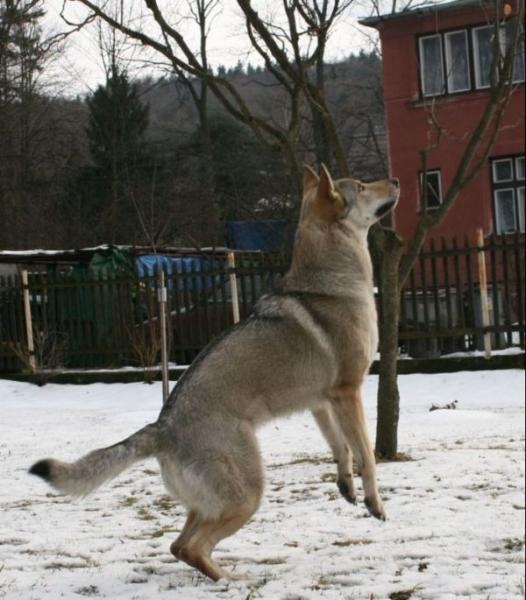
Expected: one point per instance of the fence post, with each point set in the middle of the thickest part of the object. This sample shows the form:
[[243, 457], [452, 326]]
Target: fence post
[[483, 292], [29, 323], [231, 259], [162, 297]]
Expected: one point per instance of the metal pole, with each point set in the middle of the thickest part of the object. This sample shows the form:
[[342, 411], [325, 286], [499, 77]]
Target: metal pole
[[483, 291], [29, 323], [231, 260], [162, 297]]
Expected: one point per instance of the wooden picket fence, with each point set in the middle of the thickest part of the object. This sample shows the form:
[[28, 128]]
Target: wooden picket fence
[[81, 319], [443, 302], [76, 319]]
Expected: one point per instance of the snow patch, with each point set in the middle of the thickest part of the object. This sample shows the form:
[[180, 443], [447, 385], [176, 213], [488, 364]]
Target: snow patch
[[455, 525]]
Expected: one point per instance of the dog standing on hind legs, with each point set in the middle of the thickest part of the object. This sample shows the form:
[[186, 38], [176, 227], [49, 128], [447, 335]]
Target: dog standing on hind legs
[[307, 347]]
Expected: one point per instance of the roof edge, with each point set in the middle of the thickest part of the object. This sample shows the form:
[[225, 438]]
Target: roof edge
[[422, 11]]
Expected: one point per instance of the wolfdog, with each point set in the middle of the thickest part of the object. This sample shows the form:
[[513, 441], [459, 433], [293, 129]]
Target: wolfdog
[[309, 346]]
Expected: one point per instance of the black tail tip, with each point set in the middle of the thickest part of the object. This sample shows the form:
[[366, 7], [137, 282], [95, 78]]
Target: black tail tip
[[42, 469]]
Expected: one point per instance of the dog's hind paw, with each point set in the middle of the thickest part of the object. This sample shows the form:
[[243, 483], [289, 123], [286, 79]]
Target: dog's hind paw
[[376, 508], [346, 490]]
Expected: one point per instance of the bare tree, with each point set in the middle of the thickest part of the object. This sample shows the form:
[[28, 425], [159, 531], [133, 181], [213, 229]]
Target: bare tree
[[203, 12], [289, 51], [33, 135]]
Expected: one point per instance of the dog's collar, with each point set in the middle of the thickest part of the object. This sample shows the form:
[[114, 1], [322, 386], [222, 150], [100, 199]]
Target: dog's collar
[[303, 294]]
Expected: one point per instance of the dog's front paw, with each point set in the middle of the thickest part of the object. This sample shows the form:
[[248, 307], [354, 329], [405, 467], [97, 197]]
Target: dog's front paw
[[346, 487], [375, 507]]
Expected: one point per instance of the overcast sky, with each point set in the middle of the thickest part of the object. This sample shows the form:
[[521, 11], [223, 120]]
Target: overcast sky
[[81, 65]]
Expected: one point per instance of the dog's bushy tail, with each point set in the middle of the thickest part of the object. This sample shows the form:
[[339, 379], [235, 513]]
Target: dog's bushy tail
[[81, 477]]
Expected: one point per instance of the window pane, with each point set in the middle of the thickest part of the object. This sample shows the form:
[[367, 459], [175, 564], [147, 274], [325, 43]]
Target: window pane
[[505, 211], [434, 196], [502, 170], [519, 167], [483, 55], [518, 62], [521, 207], [457, 61], [431, 65], [518, 66]]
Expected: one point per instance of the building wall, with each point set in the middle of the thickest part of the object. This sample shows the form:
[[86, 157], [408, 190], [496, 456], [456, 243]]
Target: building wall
[[409, 130]]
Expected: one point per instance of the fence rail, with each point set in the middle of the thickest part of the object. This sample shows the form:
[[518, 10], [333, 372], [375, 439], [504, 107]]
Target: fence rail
[[85, 320]]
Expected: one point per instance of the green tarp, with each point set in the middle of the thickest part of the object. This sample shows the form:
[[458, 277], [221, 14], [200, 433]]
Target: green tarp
[[82, 307]]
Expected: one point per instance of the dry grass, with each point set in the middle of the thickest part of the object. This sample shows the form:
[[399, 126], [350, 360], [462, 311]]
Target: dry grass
[[403, 594], [400, 457], [352, 542], [58, 565]]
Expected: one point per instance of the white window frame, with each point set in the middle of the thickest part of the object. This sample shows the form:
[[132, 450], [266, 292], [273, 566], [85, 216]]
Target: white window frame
[[513, 184], [494, 167], [422, 65], [449, 61], [500, 231], [422, 183], [503, 47], [474, 74]]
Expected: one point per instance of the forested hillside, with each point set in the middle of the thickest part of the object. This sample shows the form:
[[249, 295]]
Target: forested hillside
[[141, 162]]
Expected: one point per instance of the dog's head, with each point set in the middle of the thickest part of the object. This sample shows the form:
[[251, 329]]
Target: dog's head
[[346, 200]]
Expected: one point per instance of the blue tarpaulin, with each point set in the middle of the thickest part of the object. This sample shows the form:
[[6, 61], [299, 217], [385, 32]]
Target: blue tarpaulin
[[149, 265], [269, 235]]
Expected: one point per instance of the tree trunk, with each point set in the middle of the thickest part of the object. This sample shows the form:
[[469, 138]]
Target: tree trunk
[[319, 134], [319, 131], [205, 141], [295, 170], [388, 256]]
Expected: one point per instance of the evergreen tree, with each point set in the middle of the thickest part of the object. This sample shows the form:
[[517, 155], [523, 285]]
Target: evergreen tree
[[117, 124], [244, 172], [116, 133]]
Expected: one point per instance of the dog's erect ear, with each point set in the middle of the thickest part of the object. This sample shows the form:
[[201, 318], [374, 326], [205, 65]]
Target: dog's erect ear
[[326, 185], [330, 203], [310, 179]]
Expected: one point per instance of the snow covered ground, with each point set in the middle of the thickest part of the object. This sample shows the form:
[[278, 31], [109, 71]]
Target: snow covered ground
[[455, 525]]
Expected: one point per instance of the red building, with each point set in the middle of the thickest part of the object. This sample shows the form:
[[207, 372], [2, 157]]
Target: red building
[[437, 59]]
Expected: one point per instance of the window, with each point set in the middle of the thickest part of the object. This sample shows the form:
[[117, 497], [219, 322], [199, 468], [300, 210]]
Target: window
[[482, 43], [448, 59], [518, 67], [433, 190], [520, 201], [483, 53], [505, 210], [507, 175], [431, 68], [503, 170], [518, 61], [457, 61]]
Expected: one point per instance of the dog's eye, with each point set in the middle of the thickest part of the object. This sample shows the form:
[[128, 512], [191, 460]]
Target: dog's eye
[[361, 187]]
